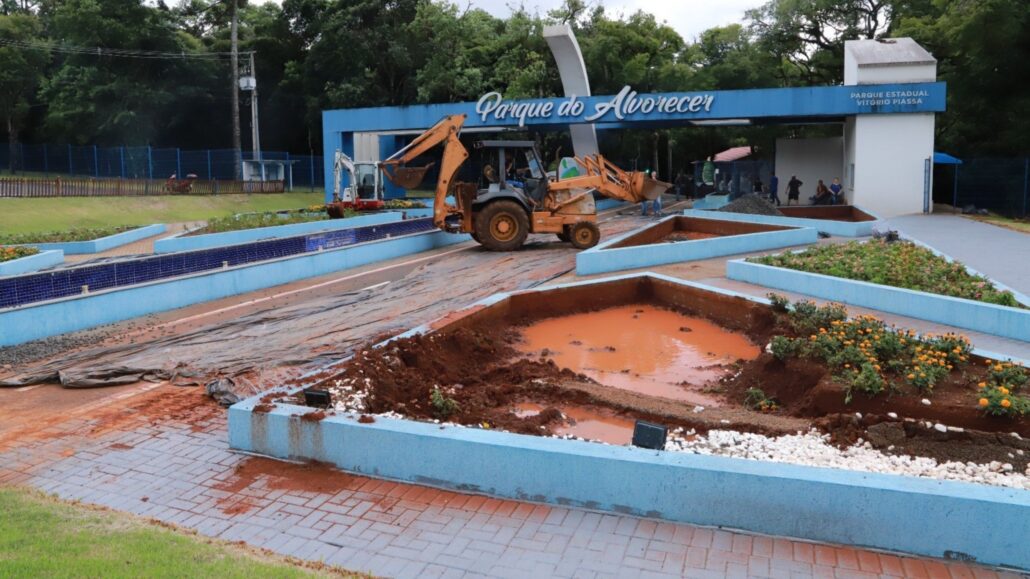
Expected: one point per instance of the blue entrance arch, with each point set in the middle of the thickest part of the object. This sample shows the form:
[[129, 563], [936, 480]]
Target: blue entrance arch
[[629, 109]]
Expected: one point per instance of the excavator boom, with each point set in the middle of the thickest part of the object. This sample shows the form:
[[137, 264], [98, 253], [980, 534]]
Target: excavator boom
[[454, 155]]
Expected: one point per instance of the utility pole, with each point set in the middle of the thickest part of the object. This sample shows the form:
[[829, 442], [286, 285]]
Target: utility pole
[[236, 146], [255, 130]]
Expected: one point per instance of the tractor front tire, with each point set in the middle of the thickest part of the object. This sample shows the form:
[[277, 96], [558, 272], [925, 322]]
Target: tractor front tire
[[502, 226], [584, 235]]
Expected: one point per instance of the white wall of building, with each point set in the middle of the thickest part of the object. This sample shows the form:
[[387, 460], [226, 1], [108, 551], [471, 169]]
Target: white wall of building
[[890, 155], [366, 147], [810, 160], [885, 155]]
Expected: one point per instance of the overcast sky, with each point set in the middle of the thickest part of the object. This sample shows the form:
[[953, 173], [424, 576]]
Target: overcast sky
[[688, 17]]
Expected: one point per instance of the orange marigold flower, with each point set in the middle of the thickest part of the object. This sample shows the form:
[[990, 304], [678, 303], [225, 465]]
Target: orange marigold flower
[[984, 402], [1005, 403]]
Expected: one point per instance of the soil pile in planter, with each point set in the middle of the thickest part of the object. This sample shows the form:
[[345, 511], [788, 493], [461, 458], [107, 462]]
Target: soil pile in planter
[[479, 370], [751, 204]]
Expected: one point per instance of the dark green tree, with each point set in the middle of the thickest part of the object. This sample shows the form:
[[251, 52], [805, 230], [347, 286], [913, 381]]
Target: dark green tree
[[20, 73]]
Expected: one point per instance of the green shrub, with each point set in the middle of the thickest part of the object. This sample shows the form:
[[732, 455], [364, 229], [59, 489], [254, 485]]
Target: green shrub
[[16, 252], [755, 399], [80, 234], [443, 406], [783, 347]]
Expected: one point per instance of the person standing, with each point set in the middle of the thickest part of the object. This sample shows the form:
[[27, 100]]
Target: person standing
[[707, 176], [774, 189], [681, 185], [794, 189], [836, 188]]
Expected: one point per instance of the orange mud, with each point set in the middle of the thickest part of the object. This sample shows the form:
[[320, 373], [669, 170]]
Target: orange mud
[[641, 348], [591, 423], [277, 475]]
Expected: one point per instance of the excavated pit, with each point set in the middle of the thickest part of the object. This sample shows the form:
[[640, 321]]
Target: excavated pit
[[589, 360], [690, 229]]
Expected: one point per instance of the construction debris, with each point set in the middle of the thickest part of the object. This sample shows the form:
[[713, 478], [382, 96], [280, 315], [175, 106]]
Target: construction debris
[[751, 204]]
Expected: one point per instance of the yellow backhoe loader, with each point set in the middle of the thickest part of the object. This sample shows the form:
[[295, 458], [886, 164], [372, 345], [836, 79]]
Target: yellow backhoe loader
[[514, 196]]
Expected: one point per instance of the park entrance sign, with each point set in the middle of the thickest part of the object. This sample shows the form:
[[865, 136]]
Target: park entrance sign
[[885, 107]]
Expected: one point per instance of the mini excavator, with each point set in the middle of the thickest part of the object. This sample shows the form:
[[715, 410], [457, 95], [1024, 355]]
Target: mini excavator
[[514, 196], [365, 191]]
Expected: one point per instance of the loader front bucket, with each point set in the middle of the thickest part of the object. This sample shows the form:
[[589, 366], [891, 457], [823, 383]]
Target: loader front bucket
[[644, 187], [406, 177]]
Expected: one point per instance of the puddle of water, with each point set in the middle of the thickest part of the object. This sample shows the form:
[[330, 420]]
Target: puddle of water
[[585, 422], [641, 348]]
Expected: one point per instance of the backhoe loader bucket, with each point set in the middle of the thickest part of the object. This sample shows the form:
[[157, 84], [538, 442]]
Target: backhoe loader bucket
[[644, 187], [406, 177]]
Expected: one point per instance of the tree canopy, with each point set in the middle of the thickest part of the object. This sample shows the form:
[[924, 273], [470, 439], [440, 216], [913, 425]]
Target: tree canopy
[[161, 75]]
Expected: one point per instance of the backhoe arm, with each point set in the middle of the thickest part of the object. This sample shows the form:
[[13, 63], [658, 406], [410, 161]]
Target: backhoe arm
[[454, 155]]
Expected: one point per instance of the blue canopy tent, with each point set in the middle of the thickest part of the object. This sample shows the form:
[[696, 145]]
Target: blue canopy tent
[[940, 158]]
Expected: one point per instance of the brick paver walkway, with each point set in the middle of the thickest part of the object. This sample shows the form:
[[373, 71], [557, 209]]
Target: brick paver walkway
[[160, 452]]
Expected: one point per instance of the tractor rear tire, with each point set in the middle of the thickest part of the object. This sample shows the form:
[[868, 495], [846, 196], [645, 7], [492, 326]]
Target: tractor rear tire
[[502, 226], [584, 235]]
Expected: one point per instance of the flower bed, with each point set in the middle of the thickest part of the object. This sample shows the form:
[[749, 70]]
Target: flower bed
[[894, 263], [82, 234], [870, 358], [257, 220], [16, 252]]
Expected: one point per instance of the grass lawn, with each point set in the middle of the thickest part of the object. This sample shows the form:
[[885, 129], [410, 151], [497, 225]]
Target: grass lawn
[[1021, 225], [44, 537], [54, 214]]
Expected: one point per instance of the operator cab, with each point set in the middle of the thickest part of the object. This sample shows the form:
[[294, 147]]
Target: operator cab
[[511, 169], [366, 181]]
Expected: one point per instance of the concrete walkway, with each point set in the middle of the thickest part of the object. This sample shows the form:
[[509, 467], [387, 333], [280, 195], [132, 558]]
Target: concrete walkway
[[998, 253]]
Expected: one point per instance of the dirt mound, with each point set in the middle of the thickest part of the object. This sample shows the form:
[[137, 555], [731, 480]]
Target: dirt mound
[[478, 370], [751, 204]]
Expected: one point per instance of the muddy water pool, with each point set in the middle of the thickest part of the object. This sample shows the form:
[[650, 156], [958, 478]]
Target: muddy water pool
[[641, 348]]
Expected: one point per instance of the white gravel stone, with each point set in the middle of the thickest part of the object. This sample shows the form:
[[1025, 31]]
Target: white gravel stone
[[814, 449], [925, 401], [893, 415], [940, 427]]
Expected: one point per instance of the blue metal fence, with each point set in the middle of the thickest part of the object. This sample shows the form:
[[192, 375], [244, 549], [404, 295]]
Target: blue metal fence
[[151, 162]]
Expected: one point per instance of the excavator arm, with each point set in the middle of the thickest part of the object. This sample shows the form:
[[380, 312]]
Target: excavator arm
[[341, 163], [454, 155]]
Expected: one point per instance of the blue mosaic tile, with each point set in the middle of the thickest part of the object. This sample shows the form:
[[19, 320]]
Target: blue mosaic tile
[[38, 287]]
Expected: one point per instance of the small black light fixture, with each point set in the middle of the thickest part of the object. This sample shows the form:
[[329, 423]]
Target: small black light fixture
[[317, 398], [648, 435]]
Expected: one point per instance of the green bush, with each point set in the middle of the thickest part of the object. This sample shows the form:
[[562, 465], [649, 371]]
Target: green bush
[[16, 252], [256, 220], [82, 234], [443, 406]]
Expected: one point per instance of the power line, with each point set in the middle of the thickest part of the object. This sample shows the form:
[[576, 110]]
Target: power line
[[116, 52]]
